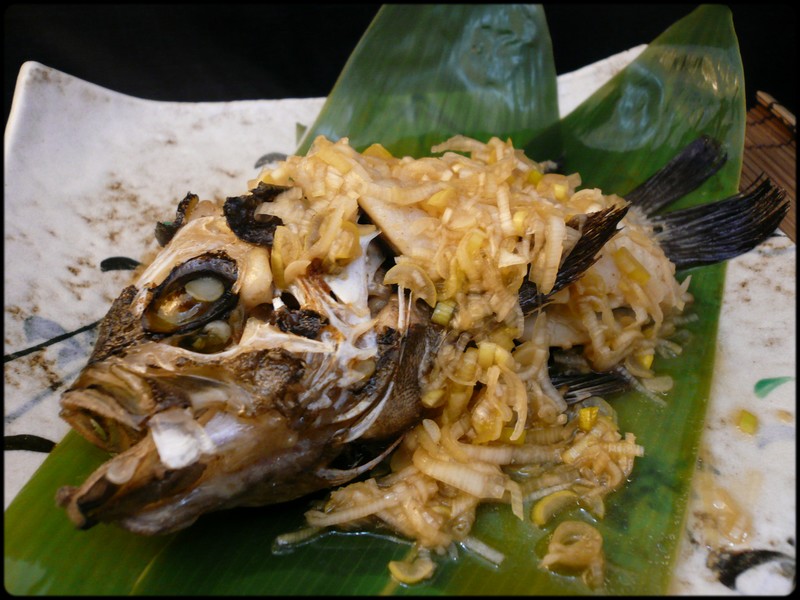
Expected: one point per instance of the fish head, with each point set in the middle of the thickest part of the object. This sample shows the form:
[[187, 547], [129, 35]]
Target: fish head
[[214, 388]]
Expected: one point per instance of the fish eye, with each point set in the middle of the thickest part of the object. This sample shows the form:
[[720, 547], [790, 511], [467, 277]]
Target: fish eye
[[196, 297], [213, 337]]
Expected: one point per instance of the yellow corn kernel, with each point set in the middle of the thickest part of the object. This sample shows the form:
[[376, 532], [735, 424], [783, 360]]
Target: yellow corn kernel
[[377, 151], [503, 357], [457, 400], [505, 436], [441, 198], [587, 417], [366, 368], [277, 266], [265, 177], [433, 398], [504, 337], [748, 422], [552, 504], [518, 221], [560, 192], [443, 312], [487, 429], [468, 254], [486, 354], [645, 358], [534, 176], [631, 267]]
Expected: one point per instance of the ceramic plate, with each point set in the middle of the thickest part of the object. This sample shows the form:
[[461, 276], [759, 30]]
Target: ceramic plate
[[88, 172]]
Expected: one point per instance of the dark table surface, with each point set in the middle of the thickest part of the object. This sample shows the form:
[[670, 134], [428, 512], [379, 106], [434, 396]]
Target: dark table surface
[[211, 52]]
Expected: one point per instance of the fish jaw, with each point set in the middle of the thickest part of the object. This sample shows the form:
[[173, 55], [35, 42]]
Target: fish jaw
[[244, 461]]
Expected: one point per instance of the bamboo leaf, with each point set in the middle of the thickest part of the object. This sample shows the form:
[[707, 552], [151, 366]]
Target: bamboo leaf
[[689, 81], [45, 554], [424, 73]]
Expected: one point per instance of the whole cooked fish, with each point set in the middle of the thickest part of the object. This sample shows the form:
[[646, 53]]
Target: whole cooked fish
[[271, 349]]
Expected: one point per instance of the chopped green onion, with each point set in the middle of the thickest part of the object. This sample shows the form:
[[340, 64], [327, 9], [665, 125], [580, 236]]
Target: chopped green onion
[[443, 312]]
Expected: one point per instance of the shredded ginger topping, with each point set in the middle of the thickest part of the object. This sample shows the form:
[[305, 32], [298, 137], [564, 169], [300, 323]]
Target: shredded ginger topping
[[468, 228]]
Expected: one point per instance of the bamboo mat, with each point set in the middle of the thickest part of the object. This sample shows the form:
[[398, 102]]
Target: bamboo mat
[[770, 148]]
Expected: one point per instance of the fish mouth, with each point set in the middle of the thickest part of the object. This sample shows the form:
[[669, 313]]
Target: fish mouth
[[126, 484], [111, 406], [236, 460], [167, 451], [98, 414]]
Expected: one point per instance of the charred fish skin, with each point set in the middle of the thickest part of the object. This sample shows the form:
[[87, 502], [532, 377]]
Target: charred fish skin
[[240, 214], [165, 230], [258, 417], [118, 329]]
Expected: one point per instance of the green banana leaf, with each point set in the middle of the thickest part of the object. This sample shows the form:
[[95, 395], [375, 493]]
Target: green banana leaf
[[689, 81]]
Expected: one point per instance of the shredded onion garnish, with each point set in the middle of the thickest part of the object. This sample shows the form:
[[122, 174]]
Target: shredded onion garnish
[[469, 227], [577, 547], [483, 550]]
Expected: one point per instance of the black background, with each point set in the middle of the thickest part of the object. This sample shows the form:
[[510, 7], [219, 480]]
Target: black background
[[211, 52]]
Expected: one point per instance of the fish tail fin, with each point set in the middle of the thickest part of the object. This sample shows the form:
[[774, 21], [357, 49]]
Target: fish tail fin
[[696, 163], [718, 231]]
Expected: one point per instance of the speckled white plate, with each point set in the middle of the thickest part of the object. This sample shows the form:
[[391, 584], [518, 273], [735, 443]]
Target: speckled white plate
[[88, 172]]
